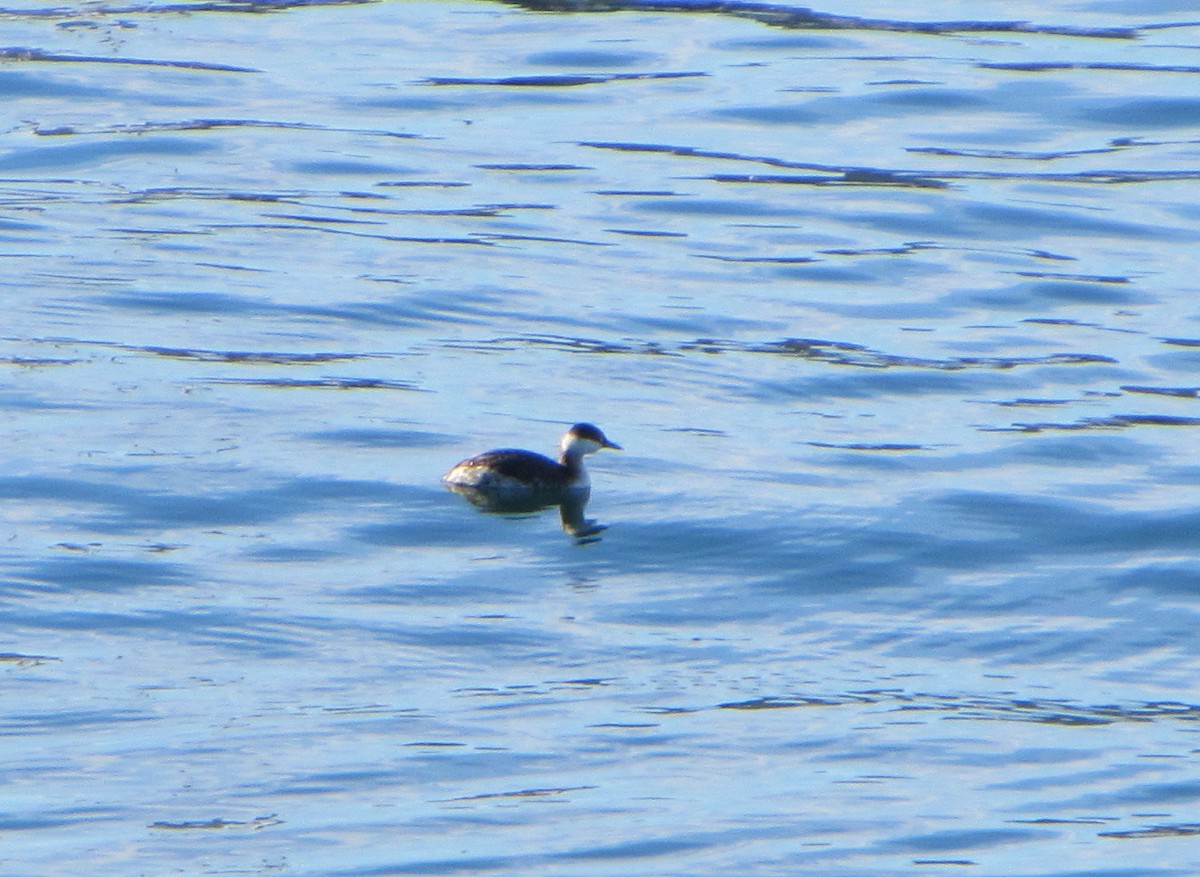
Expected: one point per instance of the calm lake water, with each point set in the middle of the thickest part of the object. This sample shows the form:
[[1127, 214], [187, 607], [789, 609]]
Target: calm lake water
[[897, 320]]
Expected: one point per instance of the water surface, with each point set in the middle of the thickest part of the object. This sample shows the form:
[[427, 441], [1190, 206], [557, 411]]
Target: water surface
[[895, 318]]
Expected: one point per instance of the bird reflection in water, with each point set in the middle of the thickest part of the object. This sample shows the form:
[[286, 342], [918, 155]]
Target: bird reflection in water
[[509, 481], [571, 504]]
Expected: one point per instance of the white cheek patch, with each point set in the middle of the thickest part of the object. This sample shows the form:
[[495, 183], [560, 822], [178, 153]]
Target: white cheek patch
[[581, 446]]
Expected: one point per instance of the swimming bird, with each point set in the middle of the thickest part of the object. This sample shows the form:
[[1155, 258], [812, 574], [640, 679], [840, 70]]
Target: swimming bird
[[508, 472]]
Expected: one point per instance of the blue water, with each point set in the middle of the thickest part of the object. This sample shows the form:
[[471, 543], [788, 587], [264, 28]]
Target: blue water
[[897, 324]]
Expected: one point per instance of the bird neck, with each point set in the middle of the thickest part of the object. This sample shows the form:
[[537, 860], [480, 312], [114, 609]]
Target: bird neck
[[572, 461]]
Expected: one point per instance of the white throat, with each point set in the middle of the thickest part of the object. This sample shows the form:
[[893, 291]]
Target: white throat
[[573, 450]]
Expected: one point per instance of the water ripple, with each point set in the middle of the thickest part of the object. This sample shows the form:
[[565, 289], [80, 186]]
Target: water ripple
[[896, 320]]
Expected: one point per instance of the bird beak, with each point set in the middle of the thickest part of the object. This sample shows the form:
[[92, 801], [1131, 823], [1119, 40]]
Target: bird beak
[[613, 445]]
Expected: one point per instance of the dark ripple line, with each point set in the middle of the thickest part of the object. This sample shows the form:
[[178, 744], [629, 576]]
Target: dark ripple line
[[885, 176], [991, 708], [1116, 421], [326, 383], [846, 178], [199, 354], [1155, 831], [520, 793], [1054, 66], [398, 239], [301, 199], [167, 192], [218, 823], [1178, 392], [832, 352], [243, 6], [857, 355], [209, 125], [21, 723], [794, 18], [488, 237], [557, 81], [1014, 154], [40, 56]]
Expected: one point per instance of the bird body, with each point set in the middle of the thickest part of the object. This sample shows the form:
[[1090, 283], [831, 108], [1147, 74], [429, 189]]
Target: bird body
[[515, 472]]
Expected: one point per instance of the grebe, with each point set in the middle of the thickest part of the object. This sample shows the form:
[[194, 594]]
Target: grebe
[[509, 472]]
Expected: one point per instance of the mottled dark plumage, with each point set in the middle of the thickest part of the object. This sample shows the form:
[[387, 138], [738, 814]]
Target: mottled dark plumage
[[514, 471], [511, 464]]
